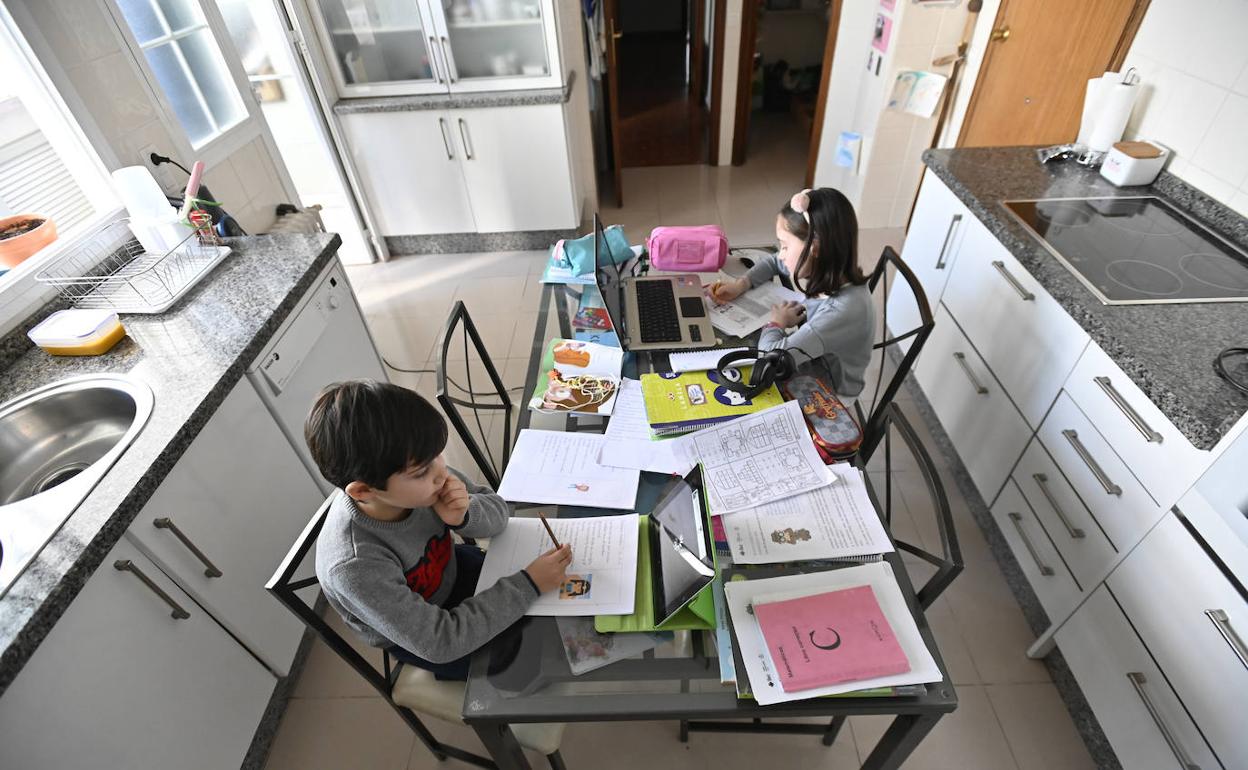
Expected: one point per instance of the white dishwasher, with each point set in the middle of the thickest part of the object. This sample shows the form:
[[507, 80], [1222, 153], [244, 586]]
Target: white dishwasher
[[323, 340]]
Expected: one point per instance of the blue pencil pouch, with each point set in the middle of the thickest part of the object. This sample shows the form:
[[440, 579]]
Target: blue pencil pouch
[[578, 254]]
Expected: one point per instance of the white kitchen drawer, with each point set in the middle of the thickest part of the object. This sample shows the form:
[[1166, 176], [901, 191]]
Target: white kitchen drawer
[[1161, 457], [1106, 655], [983, 425], [1114, 496], [1054, 586], [1026, 338], [1195, 623], [1072, 528]]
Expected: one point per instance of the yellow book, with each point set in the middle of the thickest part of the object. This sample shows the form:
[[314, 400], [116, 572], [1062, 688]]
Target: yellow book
[[680, 403]]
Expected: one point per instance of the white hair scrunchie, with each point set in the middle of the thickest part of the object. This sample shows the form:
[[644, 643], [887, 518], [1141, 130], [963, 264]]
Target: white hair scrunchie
[[800, 203]]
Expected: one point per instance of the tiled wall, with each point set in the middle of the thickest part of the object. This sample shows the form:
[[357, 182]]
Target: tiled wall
[[1193, 63]]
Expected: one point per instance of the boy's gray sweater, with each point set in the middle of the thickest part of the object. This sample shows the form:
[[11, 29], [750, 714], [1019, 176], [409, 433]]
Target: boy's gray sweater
[[388, 580]]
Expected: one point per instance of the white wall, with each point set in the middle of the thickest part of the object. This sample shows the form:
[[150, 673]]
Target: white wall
[[1193, 65], [571, 30]]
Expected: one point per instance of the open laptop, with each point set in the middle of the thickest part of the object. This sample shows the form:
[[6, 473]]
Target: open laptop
[[662, 312]]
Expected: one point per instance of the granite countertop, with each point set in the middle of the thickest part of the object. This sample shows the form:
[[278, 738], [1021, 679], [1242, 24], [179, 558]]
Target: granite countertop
[[191, 356], [1167, 350], [457, 101]]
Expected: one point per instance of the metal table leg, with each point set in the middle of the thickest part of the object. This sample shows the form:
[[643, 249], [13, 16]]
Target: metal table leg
[[899, 740], [501, 743]]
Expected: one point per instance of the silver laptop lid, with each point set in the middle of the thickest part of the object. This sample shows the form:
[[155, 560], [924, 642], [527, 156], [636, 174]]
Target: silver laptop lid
[[609, 280]]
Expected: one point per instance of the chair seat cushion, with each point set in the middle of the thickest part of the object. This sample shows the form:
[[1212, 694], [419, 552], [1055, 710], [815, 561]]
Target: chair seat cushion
[[418, 690]]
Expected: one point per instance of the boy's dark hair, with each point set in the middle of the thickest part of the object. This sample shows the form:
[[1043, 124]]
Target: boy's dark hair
[[364, 430], [834, 227]]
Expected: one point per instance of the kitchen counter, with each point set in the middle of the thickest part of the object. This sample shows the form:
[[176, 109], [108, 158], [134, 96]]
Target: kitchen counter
[[191, 356], [457, 101], [1166, 349]]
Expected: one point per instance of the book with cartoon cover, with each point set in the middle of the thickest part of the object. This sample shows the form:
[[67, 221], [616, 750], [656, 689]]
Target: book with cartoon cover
[[578, 376], [680, 403]]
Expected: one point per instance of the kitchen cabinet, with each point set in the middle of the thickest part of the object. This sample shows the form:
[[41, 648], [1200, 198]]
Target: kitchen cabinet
[[120, 682], [222, 519], [407, 47], [1055, 587]]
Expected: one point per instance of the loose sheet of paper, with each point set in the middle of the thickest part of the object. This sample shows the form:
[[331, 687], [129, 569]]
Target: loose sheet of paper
[[629, 442], [558, 468], [603, 577], [832, 522], [700, 360], [880, 577], [759, 458], [747, 313]]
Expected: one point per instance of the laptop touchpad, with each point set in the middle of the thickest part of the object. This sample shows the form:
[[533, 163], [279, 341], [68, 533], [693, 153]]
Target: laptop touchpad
[[692, 307]]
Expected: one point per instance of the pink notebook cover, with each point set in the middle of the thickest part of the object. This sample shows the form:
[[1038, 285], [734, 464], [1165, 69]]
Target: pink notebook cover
[[829, 638]]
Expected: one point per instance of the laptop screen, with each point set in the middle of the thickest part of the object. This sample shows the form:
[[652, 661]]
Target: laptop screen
[[607, 276], [684, 562]]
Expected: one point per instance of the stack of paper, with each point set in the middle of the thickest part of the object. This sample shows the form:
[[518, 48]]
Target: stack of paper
[[700, 360], [557, 468], [629, 442]]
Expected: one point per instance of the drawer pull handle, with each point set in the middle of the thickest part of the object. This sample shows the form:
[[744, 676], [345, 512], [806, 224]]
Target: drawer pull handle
[[1042, 481], [125, 565], [1144, 428], [1138, 681], [446, 60], [1222, 622], [210, 569], [1009, 277], [1110, 487], [463, 137], [433, 59], [446, 140], [979, 386], [1045, 569], [954, 221]]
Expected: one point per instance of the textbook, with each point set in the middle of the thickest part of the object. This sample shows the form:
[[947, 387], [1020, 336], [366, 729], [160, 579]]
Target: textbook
[[578, 377], [680, 403]]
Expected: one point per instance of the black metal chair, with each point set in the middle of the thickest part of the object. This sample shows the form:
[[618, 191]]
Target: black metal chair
[[454, 395], [408, 689]]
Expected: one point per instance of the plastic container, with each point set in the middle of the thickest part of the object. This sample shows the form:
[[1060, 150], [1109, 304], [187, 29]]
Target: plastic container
[[1134, 163], [78, 332], [155, 223]]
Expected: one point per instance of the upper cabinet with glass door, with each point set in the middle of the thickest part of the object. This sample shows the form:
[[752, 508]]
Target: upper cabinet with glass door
[[406, 47]]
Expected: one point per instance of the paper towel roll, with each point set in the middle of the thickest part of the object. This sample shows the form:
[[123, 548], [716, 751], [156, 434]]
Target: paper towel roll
[[1106, 110]]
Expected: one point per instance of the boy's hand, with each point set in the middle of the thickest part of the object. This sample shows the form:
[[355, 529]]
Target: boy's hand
[[788, 314], [726, 291], [550, 569], [452, 502]]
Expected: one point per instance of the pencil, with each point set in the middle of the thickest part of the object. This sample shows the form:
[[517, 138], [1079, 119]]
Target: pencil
[[549, 531]]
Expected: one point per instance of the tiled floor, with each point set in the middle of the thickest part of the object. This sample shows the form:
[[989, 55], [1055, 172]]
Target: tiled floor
[[1010, 713]]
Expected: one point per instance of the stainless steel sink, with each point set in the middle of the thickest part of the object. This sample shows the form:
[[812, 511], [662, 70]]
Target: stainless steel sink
[[56, 443]]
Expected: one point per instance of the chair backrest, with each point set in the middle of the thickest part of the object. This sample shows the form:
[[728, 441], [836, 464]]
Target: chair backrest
[[873, 429], [460, 398]]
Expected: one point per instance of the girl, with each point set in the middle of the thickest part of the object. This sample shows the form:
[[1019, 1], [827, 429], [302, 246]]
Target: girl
[[818, 235]]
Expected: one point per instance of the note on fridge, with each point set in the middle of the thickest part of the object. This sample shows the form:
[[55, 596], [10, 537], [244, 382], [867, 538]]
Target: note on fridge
[[630, 444], [603, 577], [749, 312], [558, 468], [833, 522]]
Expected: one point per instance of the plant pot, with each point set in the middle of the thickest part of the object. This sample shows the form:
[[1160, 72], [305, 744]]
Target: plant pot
[[17, 248]]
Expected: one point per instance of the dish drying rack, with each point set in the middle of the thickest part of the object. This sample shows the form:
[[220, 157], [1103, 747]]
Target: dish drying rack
[[111, 270]]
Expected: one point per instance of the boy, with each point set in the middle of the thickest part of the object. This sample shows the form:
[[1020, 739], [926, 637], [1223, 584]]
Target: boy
[[385, 558]]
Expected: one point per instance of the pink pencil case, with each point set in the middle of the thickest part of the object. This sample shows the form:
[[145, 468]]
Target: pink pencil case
[[700, 249]]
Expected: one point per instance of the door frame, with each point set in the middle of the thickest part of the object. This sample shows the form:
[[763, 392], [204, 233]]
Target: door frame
[[717, 82], [821, 101], [1129, 29], [745, 68]]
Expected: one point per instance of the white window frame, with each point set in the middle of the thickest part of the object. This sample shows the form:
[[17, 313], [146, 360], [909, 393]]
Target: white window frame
[[225, 143]]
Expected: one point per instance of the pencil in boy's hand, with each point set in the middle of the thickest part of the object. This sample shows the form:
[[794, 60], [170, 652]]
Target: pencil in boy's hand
[[549, 531]]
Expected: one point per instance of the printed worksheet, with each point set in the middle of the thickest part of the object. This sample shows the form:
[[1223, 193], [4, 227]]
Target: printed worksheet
[[747, 313], [630, 444], [833, 522], [603, 577], [557, 468], [759, 458]]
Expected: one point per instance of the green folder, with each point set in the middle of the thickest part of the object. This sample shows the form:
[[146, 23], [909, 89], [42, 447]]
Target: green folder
[[698, 613]]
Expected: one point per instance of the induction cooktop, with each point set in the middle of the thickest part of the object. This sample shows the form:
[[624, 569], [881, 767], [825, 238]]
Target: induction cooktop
[[1136, 250]]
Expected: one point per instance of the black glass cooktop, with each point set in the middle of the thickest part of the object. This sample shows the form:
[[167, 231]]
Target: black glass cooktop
[[1137, 250]]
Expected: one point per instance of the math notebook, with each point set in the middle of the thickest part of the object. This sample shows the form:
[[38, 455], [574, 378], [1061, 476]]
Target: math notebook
[[680, 403], [828, 638]]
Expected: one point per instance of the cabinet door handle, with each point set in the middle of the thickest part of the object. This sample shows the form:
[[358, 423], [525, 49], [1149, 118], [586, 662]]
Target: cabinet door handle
[[1042, 481], [979, 386], [446, 60], [1222, 622], [1045, 569], [1127, 410], [210, 569], [446, 139], [1009, 277], [463, 137], [125, 565], [1138, 680], [954, 221], [1110, 487], [433, 58]]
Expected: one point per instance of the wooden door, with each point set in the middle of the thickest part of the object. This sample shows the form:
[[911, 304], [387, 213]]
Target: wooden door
[[1042, 53], [610, 12]]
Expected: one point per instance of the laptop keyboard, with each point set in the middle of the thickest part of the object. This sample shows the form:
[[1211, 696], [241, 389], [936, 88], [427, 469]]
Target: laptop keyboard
[[656, 308]]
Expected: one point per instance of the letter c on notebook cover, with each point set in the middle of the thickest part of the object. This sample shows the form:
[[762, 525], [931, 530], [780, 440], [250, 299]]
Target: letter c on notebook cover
[[831, 646]]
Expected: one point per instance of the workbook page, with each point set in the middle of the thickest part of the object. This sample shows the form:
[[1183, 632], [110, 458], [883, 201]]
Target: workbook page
[[558, 468]]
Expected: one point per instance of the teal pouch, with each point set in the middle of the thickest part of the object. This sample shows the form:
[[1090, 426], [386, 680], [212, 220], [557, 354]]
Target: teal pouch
[[578, 254]]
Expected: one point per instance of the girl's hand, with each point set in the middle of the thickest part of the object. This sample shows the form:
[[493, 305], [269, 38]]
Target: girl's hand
[[452, 502], [787, 314], [727, 291]]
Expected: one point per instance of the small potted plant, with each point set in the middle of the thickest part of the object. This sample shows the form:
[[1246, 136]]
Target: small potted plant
[[22, 235]]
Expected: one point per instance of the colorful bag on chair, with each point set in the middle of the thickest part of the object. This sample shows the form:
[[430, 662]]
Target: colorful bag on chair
[[578, 254], [688, 249], [833, 429]]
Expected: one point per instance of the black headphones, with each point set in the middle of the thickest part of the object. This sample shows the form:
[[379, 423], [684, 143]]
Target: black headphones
[[770, 366]]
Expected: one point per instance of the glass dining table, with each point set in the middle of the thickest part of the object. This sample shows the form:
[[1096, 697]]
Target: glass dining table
[[525, 677]]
